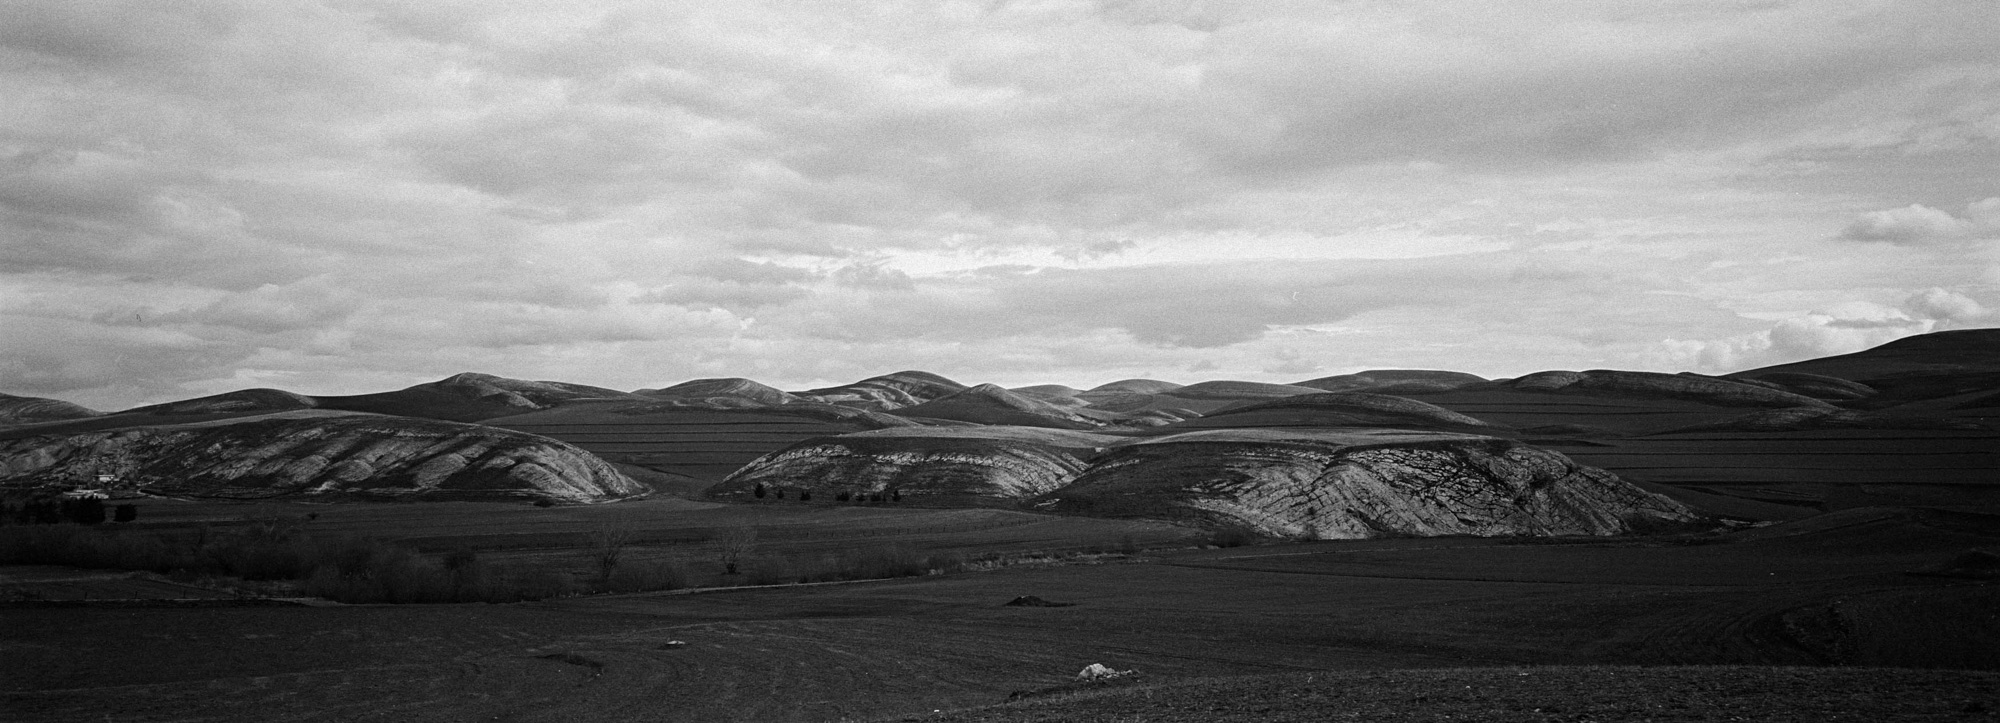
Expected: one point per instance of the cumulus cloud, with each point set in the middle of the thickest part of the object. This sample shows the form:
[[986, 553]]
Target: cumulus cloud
[[1917, 223]]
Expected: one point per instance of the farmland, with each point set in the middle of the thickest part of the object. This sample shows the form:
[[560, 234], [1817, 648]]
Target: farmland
[[1832, 590]]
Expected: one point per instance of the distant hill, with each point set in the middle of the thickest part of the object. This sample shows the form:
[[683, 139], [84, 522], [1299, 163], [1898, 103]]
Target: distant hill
[[1393, 379], [732, 391], [989, 404], [1945, 368], [469, 397], [887, 392], [30, 410]]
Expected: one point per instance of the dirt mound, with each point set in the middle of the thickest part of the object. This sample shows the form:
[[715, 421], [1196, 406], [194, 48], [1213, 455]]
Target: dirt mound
[[723, 392], [324, 457], [1361, 484], [1339, 409], [1654, 385], [245, 401], [1402, 380], [989, 404], [887, 392], [32, 410]]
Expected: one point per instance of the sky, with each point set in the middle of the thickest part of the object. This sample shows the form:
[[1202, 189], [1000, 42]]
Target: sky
[[351, 196]]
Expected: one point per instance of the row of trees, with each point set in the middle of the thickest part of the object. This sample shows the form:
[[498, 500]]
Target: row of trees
[[86, 511], [890, 495]]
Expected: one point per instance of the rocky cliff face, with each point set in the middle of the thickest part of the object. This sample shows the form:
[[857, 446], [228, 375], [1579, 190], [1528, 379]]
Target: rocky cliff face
[[1360, 484], [962, 464], [324, 455]]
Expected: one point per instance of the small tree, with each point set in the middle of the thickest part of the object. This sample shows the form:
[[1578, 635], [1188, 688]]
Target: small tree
[[608, 542], [733, 544], [759, 491], [125, 513], [805, 495], [842, 496], [781, 493]]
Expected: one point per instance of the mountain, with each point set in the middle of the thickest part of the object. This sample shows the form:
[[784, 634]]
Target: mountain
[[321, 455]]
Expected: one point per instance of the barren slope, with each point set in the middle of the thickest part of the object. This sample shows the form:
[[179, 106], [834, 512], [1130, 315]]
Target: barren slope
[[322, 455]]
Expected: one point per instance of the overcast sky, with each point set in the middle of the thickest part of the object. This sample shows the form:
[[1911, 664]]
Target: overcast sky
[[351, 196]]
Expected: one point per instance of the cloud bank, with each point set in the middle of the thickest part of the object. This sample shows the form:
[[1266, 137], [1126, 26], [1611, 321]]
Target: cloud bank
[[347, 196]]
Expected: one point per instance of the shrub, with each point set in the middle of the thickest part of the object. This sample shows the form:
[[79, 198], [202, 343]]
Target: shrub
[[805, 495], [125, 513], [759, 491]]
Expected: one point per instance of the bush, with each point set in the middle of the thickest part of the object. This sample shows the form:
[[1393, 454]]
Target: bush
[[125, 513]]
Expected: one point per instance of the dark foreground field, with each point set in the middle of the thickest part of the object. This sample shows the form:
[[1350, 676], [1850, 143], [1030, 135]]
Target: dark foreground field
[[1431, 629]]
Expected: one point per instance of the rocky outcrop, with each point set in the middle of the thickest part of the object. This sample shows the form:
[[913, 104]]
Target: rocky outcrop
[[968, 465], [1654, 385], [887, 392], [989, 404], [35, 410], [323, 455], [1394, 380], [1360, 484]]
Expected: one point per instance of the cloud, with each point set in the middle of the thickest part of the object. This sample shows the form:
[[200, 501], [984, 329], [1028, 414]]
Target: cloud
[[253, 190], [1915, 223]]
